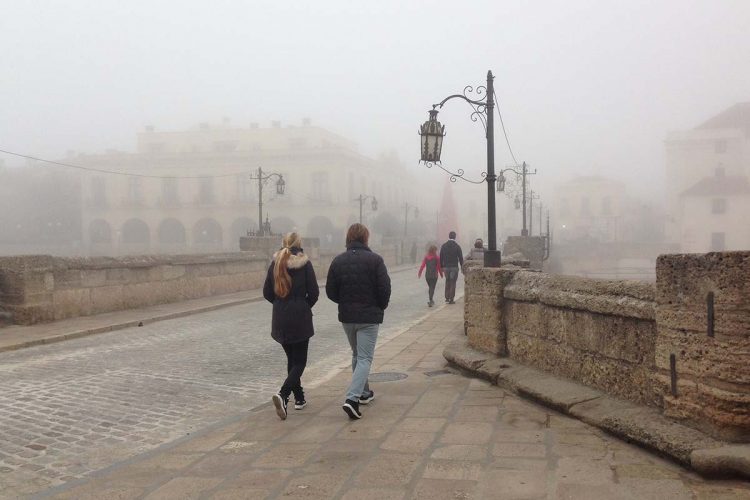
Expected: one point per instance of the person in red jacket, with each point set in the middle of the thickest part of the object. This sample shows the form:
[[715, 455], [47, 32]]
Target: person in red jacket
[[431, 262]]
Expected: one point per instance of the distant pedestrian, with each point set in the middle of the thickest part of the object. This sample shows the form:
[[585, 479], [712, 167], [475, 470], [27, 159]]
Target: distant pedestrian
[[431, 266], [413, 253], [358, 282], [477, 253], [451, 260], [292, 288]]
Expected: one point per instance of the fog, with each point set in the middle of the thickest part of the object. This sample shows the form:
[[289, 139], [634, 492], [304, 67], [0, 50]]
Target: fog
[[585, 87]]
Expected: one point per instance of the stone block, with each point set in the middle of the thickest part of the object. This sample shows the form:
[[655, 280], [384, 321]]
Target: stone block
[[107, 298], [91, 278], [69, 303]]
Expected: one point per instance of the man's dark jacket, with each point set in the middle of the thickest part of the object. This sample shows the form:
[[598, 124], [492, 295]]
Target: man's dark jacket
[[451, 255], [358, 282]]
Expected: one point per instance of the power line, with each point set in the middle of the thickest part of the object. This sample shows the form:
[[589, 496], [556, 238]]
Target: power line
[[114, 172], [497, 105]]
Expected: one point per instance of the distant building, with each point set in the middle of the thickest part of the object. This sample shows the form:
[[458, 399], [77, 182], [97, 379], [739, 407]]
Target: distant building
[[205, 199], [590, 208], [707, 171], [714, 214]]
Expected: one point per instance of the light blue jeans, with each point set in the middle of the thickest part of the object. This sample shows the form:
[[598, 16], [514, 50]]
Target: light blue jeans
[[362, 338]]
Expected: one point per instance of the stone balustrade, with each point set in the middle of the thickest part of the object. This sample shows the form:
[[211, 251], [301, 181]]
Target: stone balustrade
[[43, 288], [681, 345]]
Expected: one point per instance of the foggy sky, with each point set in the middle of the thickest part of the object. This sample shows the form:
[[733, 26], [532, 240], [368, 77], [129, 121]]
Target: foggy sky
[[585, 86]]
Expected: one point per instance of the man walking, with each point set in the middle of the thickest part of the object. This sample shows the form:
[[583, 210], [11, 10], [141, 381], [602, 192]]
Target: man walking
[[451, 258], [358, 282]]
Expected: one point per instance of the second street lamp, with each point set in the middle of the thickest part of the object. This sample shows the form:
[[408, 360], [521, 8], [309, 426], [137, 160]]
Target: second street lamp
[[362, 199], [263, 179]]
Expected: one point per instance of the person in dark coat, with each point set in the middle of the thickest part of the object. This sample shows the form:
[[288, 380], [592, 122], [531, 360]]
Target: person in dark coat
[[292, 288], [451, 260], [358, 282]]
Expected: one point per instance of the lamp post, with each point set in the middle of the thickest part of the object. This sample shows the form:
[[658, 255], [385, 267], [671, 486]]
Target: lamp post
[[522, 203], [362, 199], [262, 181], [406, 215], [432, 133]]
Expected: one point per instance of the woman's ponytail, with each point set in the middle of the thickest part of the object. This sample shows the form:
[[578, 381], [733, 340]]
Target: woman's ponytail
[[282, 282]]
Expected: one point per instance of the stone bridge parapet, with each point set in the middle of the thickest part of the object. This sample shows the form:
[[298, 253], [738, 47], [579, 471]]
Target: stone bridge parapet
[[681, 345], [42, 288]]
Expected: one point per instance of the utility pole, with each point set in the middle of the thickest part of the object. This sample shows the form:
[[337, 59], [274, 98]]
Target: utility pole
[[531, 213], [260, 201], [361, 201], [524, 231], [406, 218]]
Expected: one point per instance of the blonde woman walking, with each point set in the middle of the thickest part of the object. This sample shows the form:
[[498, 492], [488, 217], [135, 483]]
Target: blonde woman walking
[[292, 288]]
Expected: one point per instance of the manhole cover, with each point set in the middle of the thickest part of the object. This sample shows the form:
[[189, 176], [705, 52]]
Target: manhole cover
[[387, 376]]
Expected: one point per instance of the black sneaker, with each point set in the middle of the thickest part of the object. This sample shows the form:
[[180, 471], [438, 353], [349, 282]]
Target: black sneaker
[[280, 404], [366, 397], [299, 403], [352, 409]]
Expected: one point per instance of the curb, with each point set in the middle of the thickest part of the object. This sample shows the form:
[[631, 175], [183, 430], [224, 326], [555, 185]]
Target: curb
[[125, 324], [634, 423]]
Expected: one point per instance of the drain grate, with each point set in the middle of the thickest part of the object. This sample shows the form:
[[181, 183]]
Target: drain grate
[[435, 373], [387, 376]]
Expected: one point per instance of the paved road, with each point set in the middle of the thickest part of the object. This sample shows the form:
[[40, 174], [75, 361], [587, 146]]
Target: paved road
[[70, 408]]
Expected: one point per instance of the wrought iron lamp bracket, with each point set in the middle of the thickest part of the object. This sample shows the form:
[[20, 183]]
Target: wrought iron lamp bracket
[[459, 174]]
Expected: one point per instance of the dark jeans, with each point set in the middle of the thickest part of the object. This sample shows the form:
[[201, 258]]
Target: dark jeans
[[431, 283], [451, 276], [296, 360]]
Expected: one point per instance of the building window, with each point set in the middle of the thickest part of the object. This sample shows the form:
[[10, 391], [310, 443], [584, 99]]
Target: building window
[[585, 206], [718, 205], [720, 146], [297, 142], [606, 205], [135, 191], [169, 196], [244, 188], [720, 171], [206, 191], [718, 243], [320, 186], [225, 146], [98, 192]]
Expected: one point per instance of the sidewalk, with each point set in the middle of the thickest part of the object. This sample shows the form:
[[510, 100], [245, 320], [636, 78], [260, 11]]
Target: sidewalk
[[435, 434], [18, 337]]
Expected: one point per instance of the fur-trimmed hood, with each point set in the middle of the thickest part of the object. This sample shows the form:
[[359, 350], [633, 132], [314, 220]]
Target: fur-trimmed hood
[[296, 260]]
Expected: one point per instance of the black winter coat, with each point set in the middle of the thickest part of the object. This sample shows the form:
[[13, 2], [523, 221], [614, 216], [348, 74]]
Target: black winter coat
[[292, 315], [358, 282], [451, 255]]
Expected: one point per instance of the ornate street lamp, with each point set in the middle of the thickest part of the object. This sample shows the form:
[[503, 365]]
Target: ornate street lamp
[[362, 199], [500, 182], [263, 179], [432, 133]]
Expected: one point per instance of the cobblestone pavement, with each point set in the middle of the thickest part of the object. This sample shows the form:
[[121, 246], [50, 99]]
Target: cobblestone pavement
[[70, 408], [434, 435]]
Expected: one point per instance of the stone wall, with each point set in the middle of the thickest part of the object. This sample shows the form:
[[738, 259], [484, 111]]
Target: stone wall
[[42, 288], [618, 336], [712, 357]]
